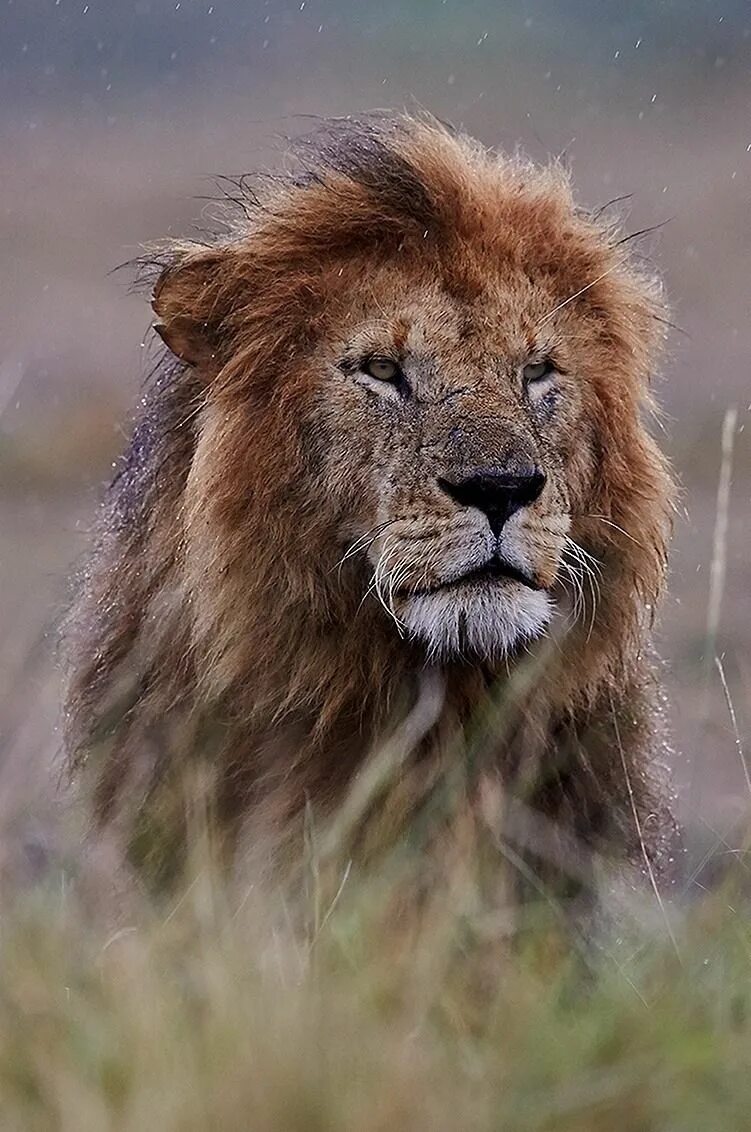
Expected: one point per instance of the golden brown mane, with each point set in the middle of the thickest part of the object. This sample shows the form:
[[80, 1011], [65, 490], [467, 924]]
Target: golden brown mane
[[216, 619]]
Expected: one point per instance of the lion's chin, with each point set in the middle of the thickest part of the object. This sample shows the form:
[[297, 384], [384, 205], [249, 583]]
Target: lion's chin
[[487, 622]]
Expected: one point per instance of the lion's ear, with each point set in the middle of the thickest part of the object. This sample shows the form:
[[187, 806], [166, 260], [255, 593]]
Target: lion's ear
[[186, 302]]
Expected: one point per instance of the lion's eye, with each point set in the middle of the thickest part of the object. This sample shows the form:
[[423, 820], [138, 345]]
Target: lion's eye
[[383, 369], [537, 371]]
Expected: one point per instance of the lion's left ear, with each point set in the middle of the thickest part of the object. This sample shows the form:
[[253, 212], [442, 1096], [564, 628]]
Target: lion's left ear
[[187, 302]]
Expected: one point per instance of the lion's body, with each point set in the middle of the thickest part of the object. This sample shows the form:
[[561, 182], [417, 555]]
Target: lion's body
[[227, 613]]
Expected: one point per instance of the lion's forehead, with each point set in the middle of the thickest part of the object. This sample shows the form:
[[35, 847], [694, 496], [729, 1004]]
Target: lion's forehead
[[479, 331], [506, 322]]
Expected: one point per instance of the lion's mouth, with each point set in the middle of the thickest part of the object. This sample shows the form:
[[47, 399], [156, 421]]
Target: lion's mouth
[[495, 569]]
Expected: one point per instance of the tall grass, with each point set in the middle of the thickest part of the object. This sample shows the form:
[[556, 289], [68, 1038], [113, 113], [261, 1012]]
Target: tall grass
[[329, 1010]]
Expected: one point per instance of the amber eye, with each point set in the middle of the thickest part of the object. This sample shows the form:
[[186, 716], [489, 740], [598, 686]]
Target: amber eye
[[383, 369], [537, 371]]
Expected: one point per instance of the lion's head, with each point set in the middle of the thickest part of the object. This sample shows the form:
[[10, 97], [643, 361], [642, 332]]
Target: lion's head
[[404, 426], [431, 359]]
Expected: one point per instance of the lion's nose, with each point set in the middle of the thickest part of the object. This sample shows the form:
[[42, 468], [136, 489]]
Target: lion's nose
[[498, 492]]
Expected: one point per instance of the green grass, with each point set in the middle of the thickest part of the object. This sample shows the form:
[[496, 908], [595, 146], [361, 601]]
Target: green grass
[[336, 1012]]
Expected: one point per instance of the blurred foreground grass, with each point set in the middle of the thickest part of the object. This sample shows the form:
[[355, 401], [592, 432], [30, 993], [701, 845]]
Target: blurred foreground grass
[[215, 1013]]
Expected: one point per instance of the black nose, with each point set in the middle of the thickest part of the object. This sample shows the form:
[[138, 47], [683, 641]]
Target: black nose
[[498, 492]]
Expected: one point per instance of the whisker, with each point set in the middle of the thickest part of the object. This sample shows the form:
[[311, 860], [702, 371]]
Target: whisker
[[577, 593], [581, 291], [378, 580], [585, 555], [362, 542], [610, 523], [590, 570]]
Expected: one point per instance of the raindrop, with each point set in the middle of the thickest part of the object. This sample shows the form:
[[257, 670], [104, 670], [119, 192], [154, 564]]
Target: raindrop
[[616, 54], [637, 45]]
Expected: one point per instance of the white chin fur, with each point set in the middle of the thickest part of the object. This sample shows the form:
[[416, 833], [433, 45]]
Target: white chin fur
[[483, 622]]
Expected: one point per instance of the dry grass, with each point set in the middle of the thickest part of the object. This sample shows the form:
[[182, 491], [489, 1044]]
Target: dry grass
[[217, 1012]]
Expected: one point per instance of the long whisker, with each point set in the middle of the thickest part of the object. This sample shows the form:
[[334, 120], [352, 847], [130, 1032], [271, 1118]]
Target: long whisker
[[610, 523], [362, 543], [590, 569], [375, 577], [587, 570], [585, 556], [570, 575], [378, 581], [581, 291]]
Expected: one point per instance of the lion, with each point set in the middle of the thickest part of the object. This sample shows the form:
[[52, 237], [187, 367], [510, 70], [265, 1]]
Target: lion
[[393, 471]]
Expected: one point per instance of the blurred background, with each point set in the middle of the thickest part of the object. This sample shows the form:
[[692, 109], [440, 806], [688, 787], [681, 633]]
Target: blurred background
[[115, 114]]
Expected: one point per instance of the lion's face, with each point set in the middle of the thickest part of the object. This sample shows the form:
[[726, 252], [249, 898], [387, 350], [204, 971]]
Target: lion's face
[[449, 437]]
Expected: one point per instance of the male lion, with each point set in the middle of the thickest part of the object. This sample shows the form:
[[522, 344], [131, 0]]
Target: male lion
[[395, 456]]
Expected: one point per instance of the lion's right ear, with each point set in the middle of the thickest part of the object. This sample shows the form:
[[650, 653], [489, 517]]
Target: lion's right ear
[[187, 302]]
